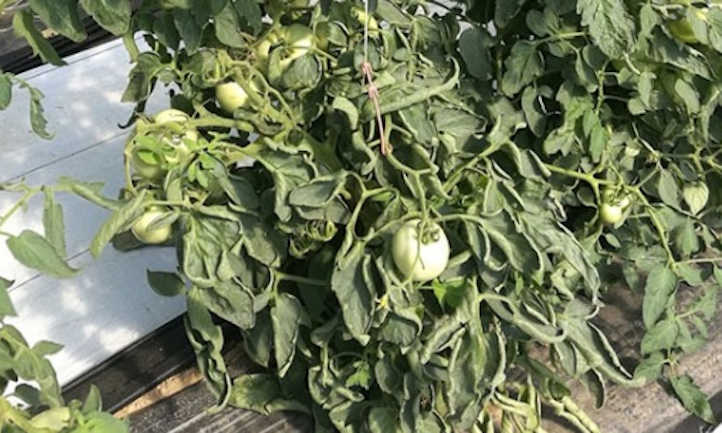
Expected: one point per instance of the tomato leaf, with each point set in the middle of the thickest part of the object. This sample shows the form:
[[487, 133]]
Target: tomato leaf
[[188, 29], [166, 283], [383, 420], [6, 88], [112, 15], [206, 338], [473, 47], [255, 392], [505, 11], [116, 223], [660, 337], [6, 304], [34, 251], [93, 401], [287, 316], [62, 16], [54, 223], [355, 297], [524, 64], [228, 25], [651, 367], [610, 25], [45, 348], [660, 285], [692, 397]]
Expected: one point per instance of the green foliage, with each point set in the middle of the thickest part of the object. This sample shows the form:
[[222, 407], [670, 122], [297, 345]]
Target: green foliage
[[511, 135]]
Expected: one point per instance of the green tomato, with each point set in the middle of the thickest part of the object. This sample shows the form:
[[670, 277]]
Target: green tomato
[[296, 38], [613, 207], [415, 256], [263, 47], [299, 41], [146, 170], [171, 115], [611, 214], [231, 96], [360, 15], [682, 28], [153, 236], [180, 148], [53, 419]]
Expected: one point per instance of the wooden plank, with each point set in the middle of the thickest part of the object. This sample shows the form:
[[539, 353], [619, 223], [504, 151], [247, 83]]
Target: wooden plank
[[134, 371], [187, 413], [188, 410]]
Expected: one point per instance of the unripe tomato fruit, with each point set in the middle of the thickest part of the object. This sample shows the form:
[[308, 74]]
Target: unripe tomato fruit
[[171, 115], [610, 214], [360, 15], [231, 96], [146, 170], [612, 208], [147, 235], [299, 40], [417, 257], [682, 28], [178, 116], [263, 47]]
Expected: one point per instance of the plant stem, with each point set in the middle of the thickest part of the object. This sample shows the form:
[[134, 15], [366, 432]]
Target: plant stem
[[593, 181], [302, 280], [30, 192], [562, 36], [657, 225], [456, 176], [701, 260]]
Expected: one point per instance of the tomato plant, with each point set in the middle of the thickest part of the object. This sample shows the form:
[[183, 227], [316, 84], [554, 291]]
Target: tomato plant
[[323, 181]]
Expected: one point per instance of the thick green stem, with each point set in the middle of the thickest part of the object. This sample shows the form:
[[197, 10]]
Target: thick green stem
[[302, 280]]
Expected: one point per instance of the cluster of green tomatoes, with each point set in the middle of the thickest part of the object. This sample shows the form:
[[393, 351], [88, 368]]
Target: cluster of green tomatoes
[[420, 249]]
